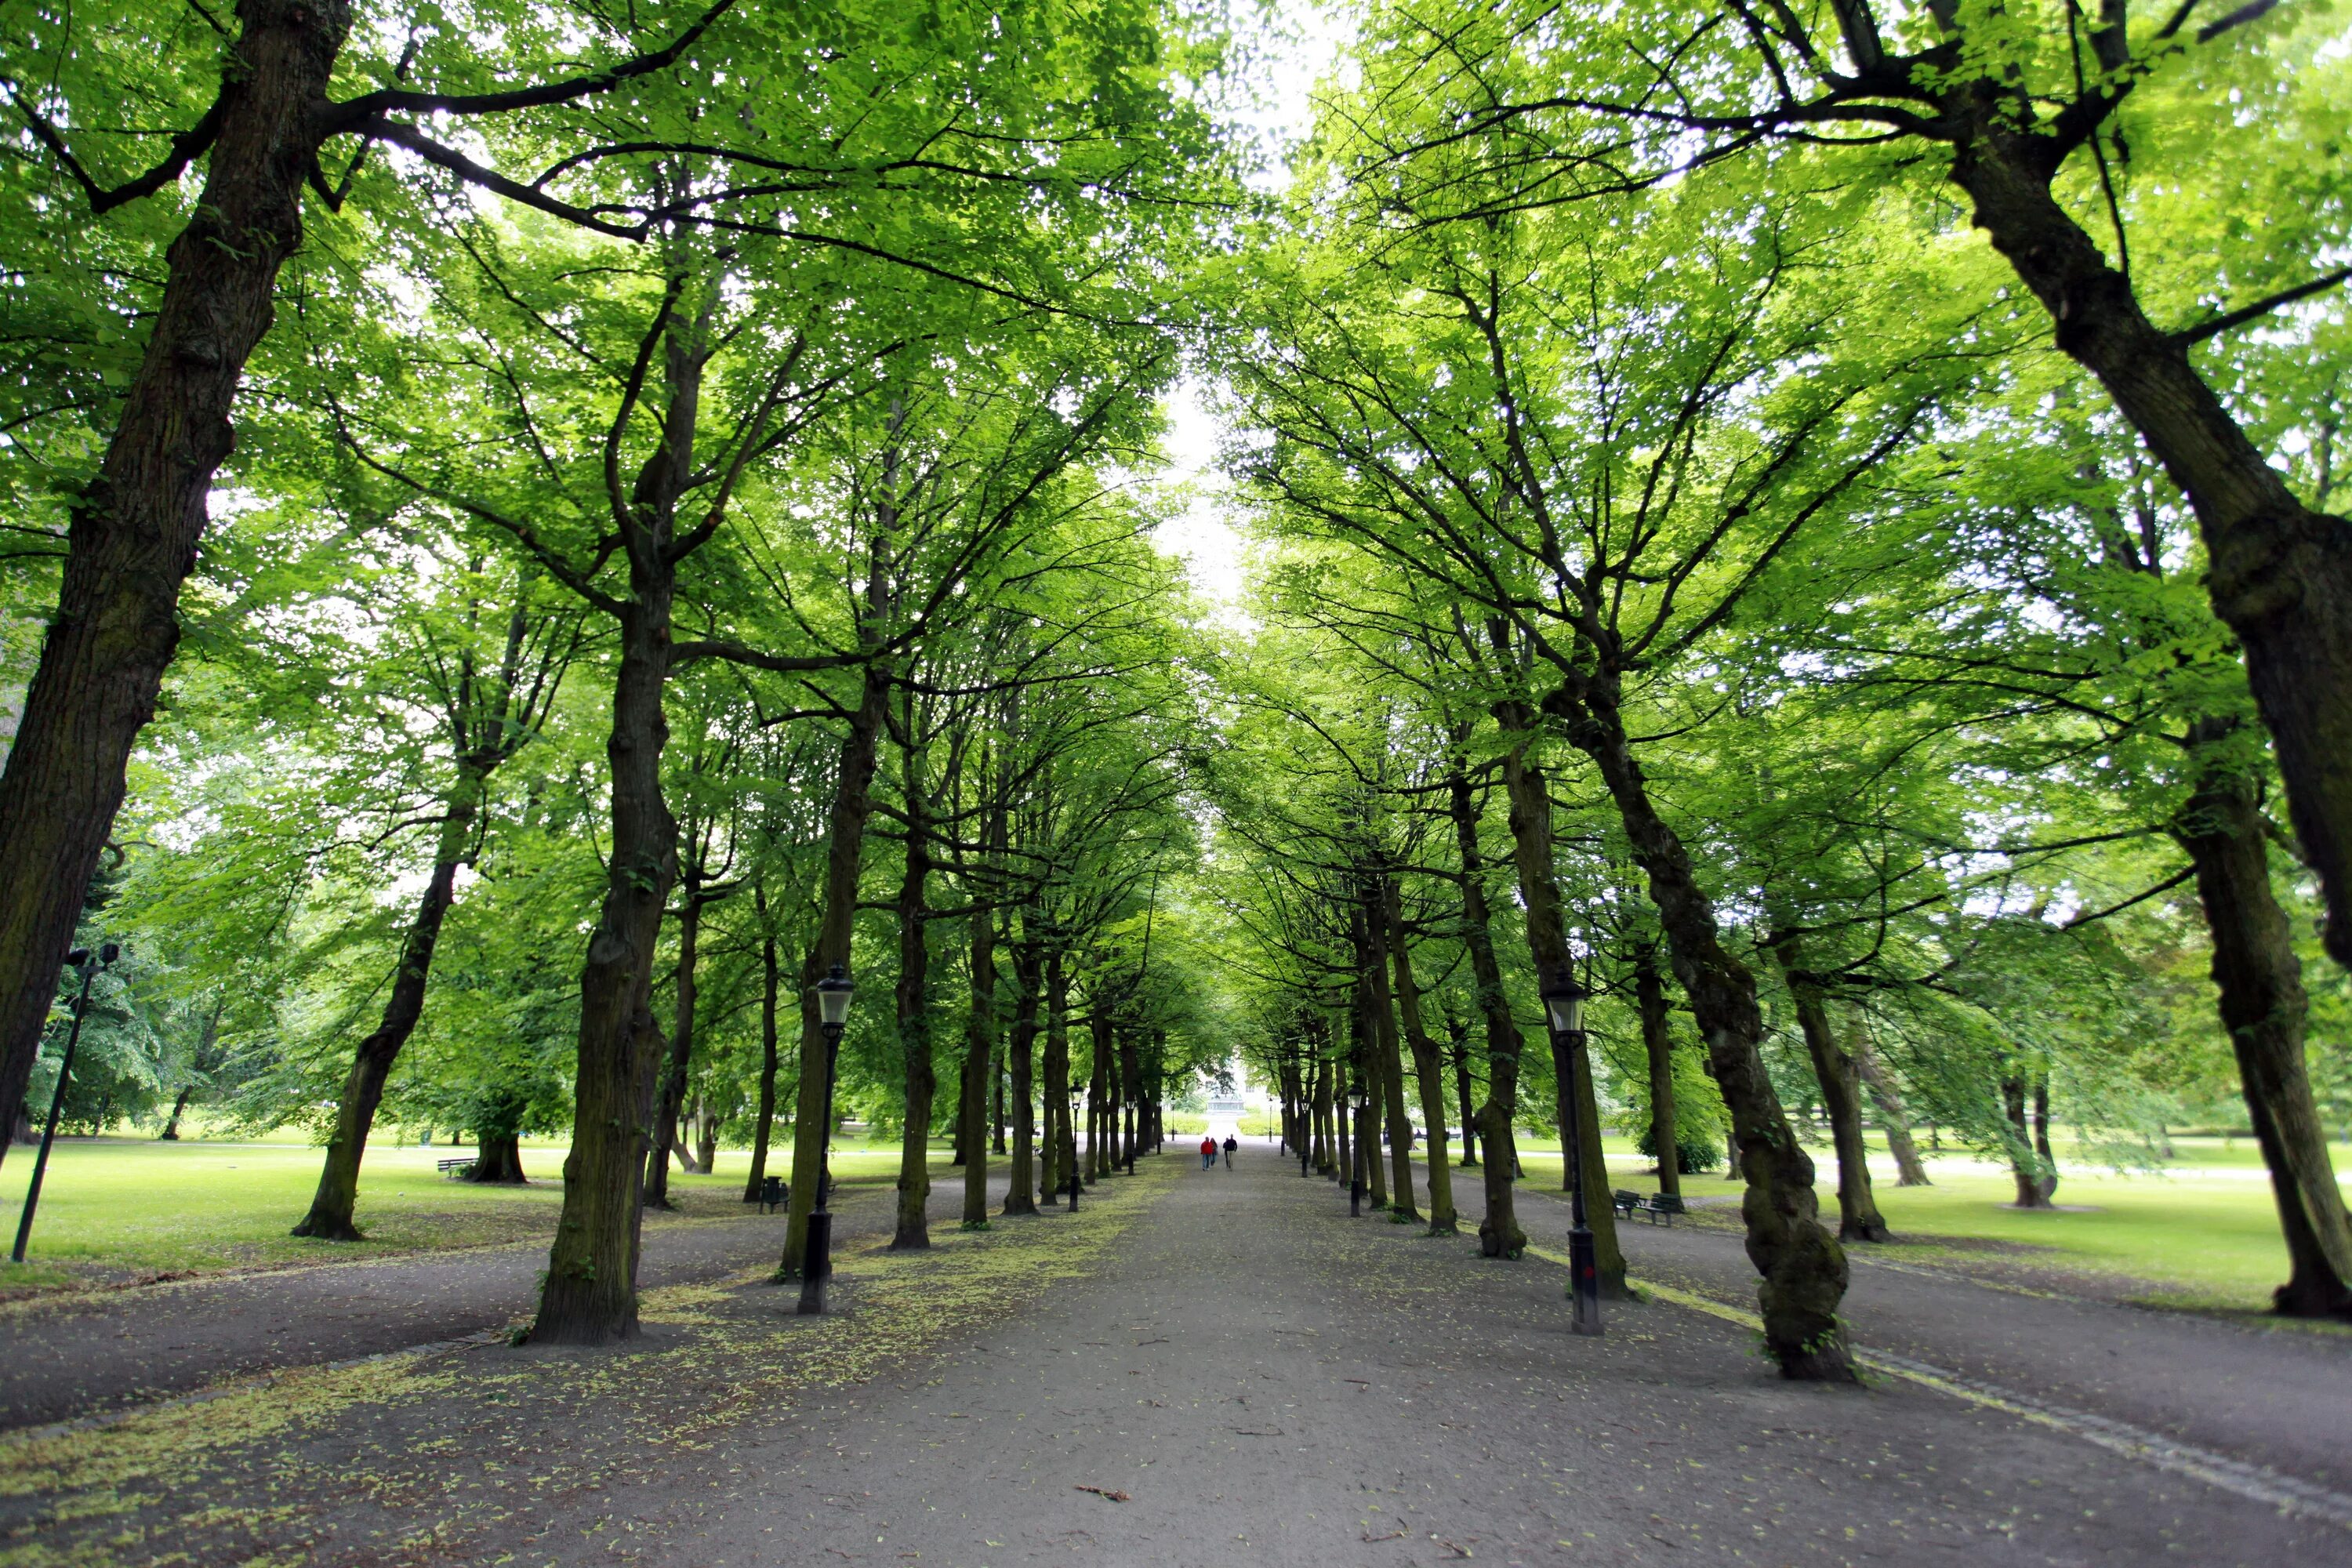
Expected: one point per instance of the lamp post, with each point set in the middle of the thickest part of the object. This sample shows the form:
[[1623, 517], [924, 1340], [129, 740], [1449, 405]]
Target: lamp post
[[79, 958], [833, 994], [1076, 1181], [1563, 1001]]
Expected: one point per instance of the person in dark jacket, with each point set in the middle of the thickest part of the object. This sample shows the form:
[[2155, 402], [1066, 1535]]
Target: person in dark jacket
[[1231, 1144]]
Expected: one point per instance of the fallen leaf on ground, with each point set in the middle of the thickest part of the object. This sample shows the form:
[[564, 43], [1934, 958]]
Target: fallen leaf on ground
[[1105, 1493]]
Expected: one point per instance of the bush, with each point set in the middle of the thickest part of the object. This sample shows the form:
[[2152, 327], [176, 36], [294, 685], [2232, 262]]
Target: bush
[[1694, 1153]]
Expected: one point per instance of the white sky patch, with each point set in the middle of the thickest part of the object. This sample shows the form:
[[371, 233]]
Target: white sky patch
[[1290, 50], [1205, 532]]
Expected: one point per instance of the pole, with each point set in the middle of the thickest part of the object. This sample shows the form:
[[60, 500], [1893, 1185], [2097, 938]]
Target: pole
[[57, 1105], [1584, 1271], [816, 1260]]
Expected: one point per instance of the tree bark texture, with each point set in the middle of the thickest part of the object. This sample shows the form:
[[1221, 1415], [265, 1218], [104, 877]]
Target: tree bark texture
[[1389, 1054], [1532, 851], [1457, 1052], [979, 1069], [681, 1046], [1057, 1096], [844, 856], [2260, 986], [1840, 1086], [1909, 1170], [330, 1218], [2280, 572], [591, 1294], [1803, 1267], [1658, 1045], [764, 1120], [914, 1019], [1021, 1180], [1428, 1070], [132, 541], [1499, 1234]]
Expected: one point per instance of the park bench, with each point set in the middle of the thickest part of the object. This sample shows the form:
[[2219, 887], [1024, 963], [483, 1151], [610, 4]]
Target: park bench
[[774, 1193], [1658, 1209], [456, 1167]]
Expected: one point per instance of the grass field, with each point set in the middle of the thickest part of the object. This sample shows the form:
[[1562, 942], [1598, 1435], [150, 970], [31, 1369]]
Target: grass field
[[118, 1208], [2200, 1232]]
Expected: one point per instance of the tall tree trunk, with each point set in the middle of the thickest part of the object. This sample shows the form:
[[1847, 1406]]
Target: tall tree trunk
[[1098, 1089], [1343, 1126], [844, 857], [2049, 1183], [1547, 928], [1658, 1044], [2024, 1168], [1457, 1052], [996, 1116], [1909, 1170], [171, 1133], [1057, 1096], [1858, 1215], [2280, 572], [1021, 1180], [914, 1015], [705, 1137], [136, 525], [763, 1123], [2260, 985], [1130, 1095], [1803, 1267], [330, 1218], [1498, 1233], [497, 1142], [1366, 1064], [1428, 1071], [1326, 1157], [1391, 1056], [590, 1293], [681, 1041], [979, 1069]]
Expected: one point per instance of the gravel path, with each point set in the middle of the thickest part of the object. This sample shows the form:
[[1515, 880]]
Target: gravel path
[[2279, 1396], [1217, 1368], [1263, 1381]]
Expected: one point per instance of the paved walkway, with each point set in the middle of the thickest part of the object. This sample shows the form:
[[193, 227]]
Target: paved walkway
[[1223, 1370], [2278, 1397]]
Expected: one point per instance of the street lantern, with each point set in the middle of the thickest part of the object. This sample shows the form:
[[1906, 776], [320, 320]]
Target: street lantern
[[78, 958], [1563, 1000], [1077, 1093], [833, 994]]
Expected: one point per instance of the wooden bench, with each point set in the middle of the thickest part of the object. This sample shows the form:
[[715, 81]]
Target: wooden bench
[[774, 1193], [1626, 1202], [1663, 1207], [456, 1167]]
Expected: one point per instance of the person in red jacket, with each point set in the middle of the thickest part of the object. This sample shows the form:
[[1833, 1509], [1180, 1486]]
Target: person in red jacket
[[1208, 1152]]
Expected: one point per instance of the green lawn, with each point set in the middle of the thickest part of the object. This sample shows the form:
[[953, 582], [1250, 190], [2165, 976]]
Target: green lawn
[[116, 1208], [2202, 1232]]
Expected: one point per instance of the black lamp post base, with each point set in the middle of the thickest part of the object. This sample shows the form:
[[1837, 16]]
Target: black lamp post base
[[816, 1263], [1583, 1283]]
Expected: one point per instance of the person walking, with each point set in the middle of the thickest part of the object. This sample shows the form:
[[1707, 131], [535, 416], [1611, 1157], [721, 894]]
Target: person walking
[[1208, 1152], [1231, 1144]]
